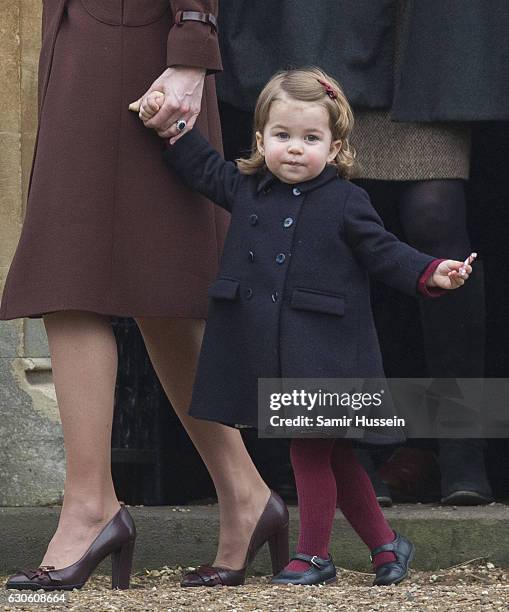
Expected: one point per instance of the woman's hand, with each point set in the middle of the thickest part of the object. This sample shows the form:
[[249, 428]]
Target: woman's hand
[[450, 274], [182, 89]]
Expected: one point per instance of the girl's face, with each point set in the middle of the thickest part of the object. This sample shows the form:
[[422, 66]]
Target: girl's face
[[297, 141]]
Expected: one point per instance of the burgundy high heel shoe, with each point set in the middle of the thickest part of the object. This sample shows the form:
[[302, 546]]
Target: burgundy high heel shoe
[[272, 527], [116, 539]]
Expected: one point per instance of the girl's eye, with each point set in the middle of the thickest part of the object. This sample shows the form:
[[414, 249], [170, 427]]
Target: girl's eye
[[282, 135], [312, 138]]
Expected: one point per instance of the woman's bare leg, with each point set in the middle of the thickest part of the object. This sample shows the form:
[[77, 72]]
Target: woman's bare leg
[[84, 361], [174, 346]]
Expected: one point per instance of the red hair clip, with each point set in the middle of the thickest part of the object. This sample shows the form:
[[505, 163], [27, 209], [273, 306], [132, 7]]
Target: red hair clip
[[329, 90]]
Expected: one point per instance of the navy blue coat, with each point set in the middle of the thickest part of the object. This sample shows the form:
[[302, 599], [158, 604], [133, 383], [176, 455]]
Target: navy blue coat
[[292, 295]]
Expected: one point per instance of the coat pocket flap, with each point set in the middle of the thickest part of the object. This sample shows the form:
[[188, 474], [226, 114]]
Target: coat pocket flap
[[132, 13], [307, 299], [224, 288]]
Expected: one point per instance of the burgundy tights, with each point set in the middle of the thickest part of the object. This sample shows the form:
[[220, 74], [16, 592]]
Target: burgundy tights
[[327, 471]]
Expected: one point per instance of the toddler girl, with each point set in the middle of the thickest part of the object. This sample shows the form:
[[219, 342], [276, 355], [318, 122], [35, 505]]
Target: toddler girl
[[292, 296]]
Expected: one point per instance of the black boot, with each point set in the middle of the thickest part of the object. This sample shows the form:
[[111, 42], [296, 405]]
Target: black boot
[[463, 474]]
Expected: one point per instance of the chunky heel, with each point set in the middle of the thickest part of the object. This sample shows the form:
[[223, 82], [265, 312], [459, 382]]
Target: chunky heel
[[121, 564], [118, 535], [279, 550]]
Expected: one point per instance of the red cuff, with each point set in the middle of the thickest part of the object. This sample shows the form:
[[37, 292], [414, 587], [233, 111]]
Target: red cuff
[[422, 288]]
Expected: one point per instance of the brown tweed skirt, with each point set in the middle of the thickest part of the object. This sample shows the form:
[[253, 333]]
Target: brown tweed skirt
[[391, 151]]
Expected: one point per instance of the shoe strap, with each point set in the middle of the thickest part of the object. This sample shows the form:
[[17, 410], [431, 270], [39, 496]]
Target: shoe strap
[[389, 547], [312, 560]]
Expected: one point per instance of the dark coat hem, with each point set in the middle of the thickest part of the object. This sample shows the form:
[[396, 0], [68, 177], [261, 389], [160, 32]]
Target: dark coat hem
[[370, 439], [188, 313]]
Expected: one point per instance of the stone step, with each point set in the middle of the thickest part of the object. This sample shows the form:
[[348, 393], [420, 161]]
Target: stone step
[[187, 536]]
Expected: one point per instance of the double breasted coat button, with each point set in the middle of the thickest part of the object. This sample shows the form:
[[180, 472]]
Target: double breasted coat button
[[253, 219], [296, 191], [274, 296], [251, 256], [280, 258], [249, 293], [288, 222]]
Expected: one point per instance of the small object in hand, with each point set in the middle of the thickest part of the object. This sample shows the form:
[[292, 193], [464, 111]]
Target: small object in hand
[[181, 125], [469, 260]]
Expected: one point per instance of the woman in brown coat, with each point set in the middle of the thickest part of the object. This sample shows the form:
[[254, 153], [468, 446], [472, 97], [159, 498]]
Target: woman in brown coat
[[108, 231]]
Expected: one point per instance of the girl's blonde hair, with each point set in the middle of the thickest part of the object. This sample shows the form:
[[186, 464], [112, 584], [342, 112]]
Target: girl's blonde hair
[[304, 85]]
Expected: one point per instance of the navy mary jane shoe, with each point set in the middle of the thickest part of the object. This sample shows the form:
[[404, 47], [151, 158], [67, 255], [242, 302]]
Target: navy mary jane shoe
[[321, 571], [394, 572]]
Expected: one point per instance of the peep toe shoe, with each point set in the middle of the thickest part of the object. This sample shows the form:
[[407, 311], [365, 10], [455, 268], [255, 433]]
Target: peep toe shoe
[[116, 539], [272, 527]]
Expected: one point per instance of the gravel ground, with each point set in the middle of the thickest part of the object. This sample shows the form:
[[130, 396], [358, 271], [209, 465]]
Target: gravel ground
[[474, 585]]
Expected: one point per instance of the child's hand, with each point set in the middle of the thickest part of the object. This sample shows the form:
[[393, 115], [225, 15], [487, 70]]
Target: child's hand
[[147, 109], [175, 112], [451, 274]]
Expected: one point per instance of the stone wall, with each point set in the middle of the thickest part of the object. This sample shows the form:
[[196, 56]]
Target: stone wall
[[31, 443]]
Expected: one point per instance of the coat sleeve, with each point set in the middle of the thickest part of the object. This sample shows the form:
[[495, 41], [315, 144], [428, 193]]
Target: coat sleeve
[[386, 258], [203, 169], [193, 43]]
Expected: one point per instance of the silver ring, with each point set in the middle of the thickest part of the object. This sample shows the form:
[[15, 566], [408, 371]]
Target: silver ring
[[181, 125]]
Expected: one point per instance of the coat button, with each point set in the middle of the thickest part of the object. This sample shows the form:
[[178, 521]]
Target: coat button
[[288, 222], [274, 296], [296, 191], [249, 293], [280, 258], [253, 219], [251, 256]]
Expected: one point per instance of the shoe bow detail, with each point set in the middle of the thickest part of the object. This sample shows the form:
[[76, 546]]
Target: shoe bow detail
[[207, 573], [41, 573], [116, 539], [272, 527]]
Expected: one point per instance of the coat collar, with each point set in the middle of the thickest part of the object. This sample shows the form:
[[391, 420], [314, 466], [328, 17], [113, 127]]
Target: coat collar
[[326, 175]]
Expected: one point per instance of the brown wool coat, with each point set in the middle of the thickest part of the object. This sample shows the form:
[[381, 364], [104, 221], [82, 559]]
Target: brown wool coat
[[107, 228]]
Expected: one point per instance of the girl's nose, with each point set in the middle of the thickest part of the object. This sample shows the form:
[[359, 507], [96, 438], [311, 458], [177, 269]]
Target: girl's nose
[[294, 146]]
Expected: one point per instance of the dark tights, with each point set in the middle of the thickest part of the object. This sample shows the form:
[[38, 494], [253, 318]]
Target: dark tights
[[431, 216]]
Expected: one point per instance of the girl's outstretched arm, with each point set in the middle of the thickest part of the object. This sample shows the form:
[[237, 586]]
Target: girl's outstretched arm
[[392, 261]]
